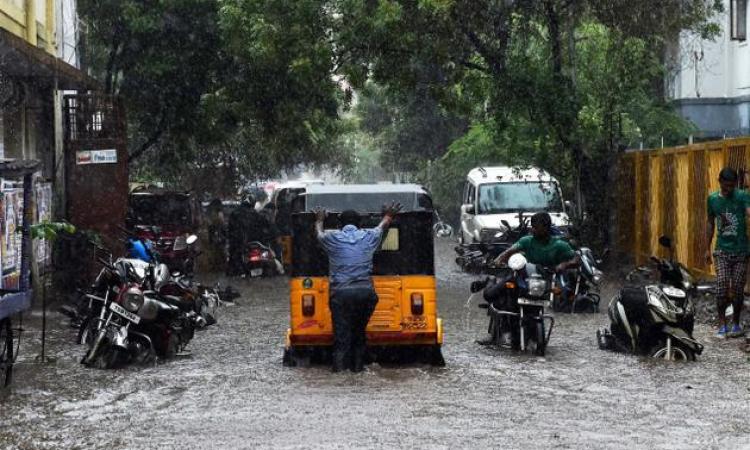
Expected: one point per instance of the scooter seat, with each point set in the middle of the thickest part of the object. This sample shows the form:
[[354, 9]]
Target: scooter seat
[[634, 298]]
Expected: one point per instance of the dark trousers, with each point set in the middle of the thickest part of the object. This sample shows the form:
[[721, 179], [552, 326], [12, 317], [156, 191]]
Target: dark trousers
[[351, 308]]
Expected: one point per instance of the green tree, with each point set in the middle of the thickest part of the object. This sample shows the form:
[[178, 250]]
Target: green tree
[[563, 84], [230, 90]]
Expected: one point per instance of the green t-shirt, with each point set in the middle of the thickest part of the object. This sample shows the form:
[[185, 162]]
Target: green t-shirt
[[731, 235], [548, 254]]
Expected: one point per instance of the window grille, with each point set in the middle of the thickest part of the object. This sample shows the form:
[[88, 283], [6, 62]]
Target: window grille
[[738, 20]]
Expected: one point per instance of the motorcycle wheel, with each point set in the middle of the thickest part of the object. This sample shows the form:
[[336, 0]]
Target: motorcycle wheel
[[6, 352], [173, 346], [680, 352], [604, 339], [560, 305], [86, 331], [109, 358], [541, 339]]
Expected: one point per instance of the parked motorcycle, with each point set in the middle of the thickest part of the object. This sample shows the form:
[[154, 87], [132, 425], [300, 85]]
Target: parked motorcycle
[[477, 257], [580, 290], [196, 297], [655, 319], [515, 303], [260, 261], [134, 325]]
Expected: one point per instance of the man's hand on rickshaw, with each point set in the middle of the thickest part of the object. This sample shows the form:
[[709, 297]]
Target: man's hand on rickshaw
[[320, 214], [392, 210]]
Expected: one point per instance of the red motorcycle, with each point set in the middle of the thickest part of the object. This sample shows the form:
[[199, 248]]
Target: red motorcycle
[[260, 261]]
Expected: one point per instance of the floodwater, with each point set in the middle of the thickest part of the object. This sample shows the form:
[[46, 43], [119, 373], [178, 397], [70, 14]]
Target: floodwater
[[233, 391]]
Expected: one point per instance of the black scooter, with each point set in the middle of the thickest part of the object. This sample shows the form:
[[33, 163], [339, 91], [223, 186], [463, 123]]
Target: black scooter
[[655, 319]]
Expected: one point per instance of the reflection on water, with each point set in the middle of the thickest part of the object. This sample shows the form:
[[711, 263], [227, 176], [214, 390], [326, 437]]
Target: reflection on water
[[234, 393]]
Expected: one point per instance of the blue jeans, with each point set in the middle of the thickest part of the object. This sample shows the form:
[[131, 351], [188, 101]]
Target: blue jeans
[[351, 308]]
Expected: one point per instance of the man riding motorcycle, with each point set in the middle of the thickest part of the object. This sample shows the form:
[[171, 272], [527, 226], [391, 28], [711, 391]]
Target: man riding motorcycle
[[543, 249]]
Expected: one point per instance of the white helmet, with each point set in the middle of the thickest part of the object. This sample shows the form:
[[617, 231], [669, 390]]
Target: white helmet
[[517, 262]]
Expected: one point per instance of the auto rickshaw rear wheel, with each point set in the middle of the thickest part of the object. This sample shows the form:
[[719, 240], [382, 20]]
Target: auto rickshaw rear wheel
[[295, 357], [436, 356]]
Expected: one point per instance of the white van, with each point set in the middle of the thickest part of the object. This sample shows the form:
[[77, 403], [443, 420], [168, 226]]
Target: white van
[[494, 194]]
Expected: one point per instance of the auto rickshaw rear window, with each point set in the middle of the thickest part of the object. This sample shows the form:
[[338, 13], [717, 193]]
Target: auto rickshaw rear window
[[407, 249]]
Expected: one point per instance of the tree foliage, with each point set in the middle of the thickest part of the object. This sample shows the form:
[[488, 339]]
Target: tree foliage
[[562, 84], [231, 89], [236, 89]]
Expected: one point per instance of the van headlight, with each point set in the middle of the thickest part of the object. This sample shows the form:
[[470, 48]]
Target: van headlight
[[537, 286], [133, 299]]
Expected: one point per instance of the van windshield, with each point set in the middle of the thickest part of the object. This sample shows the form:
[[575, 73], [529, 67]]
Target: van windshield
[[498, 198]]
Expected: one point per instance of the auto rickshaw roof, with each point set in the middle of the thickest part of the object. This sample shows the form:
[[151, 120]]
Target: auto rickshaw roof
[[366, 198], [365, 188]]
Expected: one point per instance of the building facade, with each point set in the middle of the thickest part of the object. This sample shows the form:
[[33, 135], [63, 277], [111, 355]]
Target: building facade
[[711, 79], [39, 62]]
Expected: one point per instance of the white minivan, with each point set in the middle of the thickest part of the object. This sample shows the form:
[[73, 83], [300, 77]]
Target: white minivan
[[496, 194]]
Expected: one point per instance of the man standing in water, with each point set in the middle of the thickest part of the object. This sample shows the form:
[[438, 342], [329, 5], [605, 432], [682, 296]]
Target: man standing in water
[[728, 210], [352, 294]]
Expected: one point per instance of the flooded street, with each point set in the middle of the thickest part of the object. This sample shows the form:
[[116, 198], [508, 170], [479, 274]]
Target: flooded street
[[233, 392]]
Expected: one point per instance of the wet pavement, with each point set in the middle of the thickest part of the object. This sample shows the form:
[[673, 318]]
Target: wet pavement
[[233, 391]]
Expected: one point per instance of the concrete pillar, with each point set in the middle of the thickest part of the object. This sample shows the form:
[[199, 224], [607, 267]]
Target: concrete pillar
[[49, 27], [30, 10]]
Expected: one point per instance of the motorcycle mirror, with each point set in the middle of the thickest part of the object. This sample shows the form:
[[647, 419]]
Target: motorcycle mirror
[[665, 241], [192, 239]]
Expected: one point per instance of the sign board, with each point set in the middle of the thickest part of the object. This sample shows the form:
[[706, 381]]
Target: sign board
[[108, 156]]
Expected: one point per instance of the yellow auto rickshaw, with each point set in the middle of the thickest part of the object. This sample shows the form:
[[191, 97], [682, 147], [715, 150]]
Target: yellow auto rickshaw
[[405, 318]]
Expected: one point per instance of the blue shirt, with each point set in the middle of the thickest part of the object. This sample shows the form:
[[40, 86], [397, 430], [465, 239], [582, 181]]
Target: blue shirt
[[350, 252]]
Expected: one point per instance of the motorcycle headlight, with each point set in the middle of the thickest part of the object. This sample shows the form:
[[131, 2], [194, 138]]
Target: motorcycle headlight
[[133, 299], [598, 276], [537, 286]]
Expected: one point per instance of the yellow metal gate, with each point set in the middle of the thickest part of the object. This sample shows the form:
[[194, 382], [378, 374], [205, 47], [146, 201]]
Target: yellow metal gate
[[664, 191]]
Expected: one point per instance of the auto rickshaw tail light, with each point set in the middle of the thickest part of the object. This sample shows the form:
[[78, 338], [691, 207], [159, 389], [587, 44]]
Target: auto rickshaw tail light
[[417, 303], [308, 305]]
